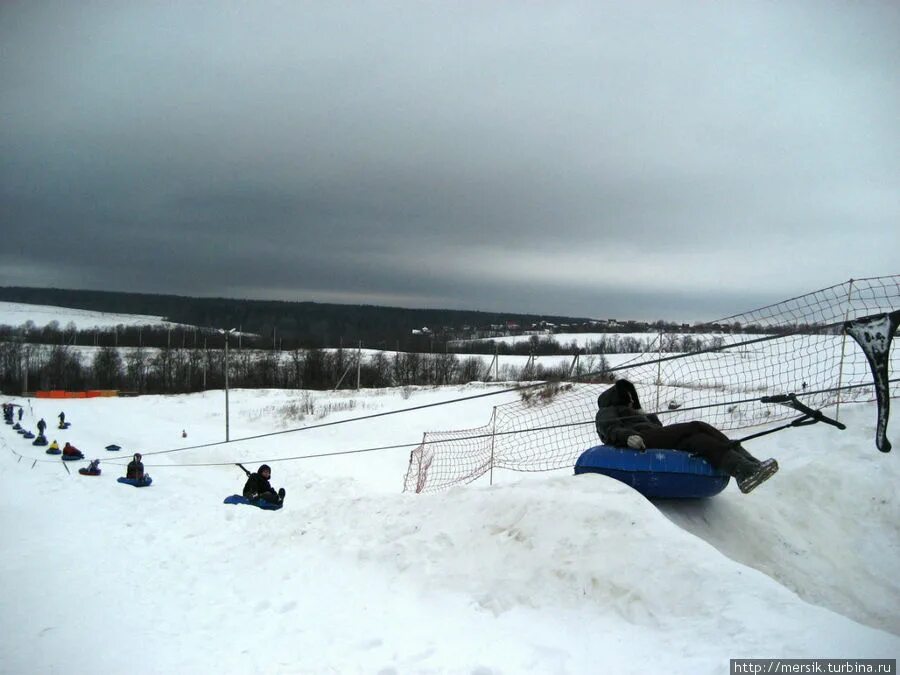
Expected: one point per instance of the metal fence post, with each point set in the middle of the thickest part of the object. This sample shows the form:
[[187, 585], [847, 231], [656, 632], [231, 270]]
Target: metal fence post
[[658, 367], [837, 407], [493, 432]]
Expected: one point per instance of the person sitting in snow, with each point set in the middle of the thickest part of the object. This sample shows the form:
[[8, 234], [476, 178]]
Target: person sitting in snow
[[135, 469], [621, 422], [70, 450], [258, 487], [41, 425]]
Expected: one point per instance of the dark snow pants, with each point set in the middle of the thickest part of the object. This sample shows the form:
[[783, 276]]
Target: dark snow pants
[[698, 438], [270, 496]]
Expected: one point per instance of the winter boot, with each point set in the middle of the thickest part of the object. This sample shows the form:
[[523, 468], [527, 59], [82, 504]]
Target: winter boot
[[764, 471], [281, 494], [748, 473]]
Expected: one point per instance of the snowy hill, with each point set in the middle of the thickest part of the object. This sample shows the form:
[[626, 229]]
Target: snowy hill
[[537, 573], [16, 314]]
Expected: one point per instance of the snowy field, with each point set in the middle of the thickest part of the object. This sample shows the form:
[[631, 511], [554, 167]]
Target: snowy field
[[538, 573], [17, 313], [585, 340]]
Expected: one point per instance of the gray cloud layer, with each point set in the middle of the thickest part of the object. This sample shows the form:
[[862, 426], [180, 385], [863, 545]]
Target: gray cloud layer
[[638, 160]]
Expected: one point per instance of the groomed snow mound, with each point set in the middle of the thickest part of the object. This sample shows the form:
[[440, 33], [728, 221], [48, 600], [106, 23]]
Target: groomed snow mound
[[550, 573]]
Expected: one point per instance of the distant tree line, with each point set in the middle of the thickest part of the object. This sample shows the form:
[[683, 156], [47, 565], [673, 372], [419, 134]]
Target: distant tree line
[[160, 336], [299, 324], [292, 325], [166, 369]]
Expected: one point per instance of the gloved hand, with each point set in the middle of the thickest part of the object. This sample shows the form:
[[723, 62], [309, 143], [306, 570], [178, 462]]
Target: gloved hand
[[635, 442]]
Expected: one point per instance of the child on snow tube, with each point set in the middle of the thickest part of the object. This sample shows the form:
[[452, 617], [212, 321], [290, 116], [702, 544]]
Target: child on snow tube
[[93, 469], [135, 469], [134, 473], [258, 487]]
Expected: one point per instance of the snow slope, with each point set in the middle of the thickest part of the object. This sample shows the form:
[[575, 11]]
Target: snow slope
[[17, 313], [545, 573]]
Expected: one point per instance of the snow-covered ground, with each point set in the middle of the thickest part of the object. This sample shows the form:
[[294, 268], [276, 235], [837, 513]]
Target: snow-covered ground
[[542, 573], [585, 340], [17, 313]]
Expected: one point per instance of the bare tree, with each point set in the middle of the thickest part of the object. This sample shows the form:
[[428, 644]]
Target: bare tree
[[107, 368]]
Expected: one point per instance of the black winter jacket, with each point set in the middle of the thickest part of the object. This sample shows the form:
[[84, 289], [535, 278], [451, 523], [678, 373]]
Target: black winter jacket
[[135, 470], [255, 486], [616, 420]]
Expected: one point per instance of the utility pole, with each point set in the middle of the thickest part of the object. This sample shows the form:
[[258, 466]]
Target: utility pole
[[226, 333], [226, 388]]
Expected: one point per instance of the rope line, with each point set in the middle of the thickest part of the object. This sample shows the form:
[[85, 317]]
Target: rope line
[[346, 421], [18, 454], [476, 436], [121, 462]]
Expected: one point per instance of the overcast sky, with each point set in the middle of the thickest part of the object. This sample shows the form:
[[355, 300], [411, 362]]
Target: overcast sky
[[682, 160]]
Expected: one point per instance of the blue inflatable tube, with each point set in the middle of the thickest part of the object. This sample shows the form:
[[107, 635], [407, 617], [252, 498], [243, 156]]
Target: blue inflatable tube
[[661, 474], [72, 458], [259, 503], [136, 482]]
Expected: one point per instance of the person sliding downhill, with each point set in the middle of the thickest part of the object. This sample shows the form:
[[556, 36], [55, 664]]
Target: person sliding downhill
[[258, 487], [71, 451], [621, 422], [135, 469]]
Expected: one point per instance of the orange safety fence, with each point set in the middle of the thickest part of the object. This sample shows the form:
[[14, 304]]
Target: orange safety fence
[[91, 393]]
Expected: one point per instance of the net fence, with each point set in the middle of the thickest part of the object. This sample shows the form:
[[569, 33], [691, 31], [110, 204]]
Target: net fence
[[797, 345]]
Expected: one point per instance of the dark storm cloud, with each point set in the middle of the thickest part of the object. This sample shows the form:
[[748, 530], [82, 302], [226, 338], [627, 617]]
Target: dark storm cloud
[[647, 160]]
